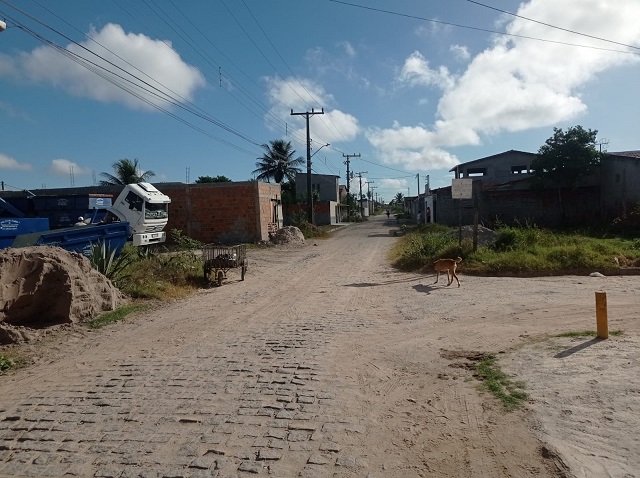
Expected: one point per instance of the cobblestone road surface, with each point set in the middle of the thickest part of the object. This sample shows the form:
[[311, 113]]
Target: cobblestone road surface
[[253, 378]]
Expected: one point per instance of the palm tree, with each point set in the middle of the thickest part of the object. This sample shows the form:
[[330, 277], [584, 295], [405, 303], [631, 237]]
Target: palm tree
[[127, 171], [278, 162], [399, 198]]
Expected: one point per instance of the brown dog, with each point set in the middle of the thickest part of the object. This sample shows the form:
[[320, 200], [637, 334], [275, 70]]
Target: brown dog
[[448, 265]]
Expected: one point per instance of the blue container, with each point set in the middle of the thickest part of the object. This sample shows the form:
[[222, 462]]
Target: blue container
[[60, 203], [96, 203], [23, 205], [11, 227], [79, 239], [59, 219]]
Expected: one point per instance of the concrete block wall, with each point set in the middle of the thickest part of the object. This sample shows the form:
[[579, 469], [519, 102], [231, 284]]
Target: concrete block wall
[[620, 191], [581, 207]]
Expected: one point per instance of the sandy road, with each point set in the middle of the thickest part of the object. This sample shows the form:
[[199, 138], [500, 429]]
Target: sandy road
[[323, 362]]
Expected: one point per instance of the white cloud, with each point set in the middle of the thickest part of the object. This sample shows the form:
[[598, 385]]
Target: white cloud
[[416, 72], [460, 52], [400, 184], [516, 84], [333, 126], [348, 48], [163, 68], [7, 162], [64, 167], [414, 147]]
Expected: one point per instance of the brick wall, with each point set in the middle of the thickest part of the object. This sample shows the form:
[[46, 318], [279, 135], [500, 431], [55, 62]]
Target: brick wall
[[211, 212], [222, 212]]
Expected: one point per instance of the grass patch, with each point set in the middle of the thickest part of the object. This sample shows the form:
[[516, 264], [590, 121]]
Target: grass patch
[[116, 315], [6, 362], [497, 382], [516, 250], [587, 333], [165, 276]]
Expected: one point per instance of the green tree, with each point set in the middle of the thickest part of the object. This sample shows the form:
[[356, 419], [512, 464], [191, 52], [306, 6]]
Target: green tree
[[209, 179], [399, 199], [288, 190], [565, 159], [278, 162], [126, 171]]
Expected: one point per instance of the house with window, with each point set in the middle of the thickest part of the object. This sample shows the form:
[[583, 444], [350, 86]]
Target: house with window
[[499, 168], [324, 185], [326, 191], [503, 192]]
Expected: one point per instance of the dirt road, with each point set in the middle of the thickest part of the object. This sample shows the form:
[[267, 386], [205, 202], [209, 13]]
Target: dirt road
[[324, 362]]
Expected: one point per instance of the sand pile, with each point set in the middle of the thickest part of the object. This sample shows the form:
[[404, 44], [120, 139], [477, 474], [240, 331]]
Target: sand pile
[[288, 235], [43, 286]]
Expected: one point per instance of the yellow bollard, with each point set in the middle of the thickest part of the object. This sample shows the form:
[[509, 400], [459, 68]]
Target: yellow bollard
[[601, 315]]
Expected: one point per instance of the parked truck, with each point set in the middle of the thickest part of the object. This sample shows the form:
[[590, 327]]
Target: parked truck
[[75, 222]]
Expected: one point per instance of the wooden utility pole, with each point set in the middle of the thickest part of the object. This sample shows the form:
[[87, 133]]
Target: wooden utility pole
[[360, 197], [307, 115], [349, 179]]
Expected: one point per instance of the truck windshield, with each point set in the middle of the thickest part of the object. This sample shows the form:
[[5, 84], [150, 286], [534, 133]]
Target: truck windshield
[[156, 211]]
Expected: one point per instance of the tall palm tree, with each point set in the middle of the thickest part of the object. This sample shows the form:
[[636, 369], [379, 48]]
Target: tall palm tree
[[127, 171], [399, 198], [278, 162]]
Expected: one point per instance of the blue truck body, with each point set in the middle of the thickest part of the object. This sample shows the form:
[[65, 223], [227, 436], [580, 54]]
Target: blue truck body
[[54, 224], [78, 239]]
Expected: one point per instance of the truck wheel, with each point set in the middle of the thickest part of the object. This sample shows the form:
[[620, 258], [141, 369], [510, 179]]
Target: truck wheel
[[207, 273]]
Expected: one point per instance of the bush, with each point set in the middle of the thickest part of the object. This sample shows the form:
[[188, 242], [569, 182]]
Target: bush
[[184, 242], [420, 248]]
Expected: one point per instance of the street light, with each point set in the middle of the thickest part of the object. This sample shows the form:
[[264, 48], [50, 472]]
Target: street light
[[320, 149], [3, 26]]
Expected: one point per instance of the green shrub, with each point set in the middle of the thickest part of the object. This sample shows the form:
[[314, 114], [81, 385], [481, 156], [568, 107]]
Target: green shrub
[[104, 260], [184, 242], [6, 363], [507, 239]]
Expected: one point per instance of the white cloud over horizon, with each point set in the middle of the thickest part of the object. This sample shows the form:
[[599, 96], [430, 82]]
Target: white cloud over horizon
[[514, 85], [64, 167], [7, 162], [156, 63], [333, 126]]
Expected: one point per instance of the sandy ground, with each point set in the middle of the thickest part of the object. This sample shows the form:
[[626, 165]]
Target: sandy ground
[[370, 368]]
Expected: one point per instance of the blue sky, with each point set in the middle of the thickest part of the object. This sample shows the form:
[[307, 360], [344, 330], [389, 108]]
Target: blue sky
[[413, 87]]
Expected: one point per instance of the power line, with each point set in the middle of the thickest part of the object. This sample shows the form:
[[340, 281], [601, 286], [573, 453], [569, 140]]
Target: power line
[[126, 84], [283, 61], [554, 26], [440, 22]]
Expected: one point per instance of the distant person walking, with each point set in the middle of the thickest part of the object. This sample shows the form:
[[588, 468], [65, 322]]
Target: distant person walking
[[419, 218], [388, 213], [428, 215]]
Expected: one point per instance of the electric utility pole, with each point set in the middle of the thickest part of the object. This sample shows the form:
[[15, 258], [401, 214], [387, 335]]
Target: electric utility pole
[[373, 201], [369, 200], [349, 179], [307, 115], [360, 197]]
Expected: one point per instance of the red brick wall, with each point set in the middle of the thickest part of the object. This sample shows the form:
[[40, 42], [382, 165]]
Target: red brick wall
[[222, 212]]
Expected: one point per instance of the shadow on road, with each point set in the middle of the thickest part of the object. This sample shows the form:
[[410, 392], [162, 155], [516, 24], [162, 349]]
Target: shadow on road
[[424, 288], [389, 234], [577, 348], [374, 284]]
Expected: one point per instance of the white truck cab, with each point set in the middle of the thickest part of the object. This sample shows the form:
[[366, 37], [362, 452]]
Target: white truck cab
[[146, 210]]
